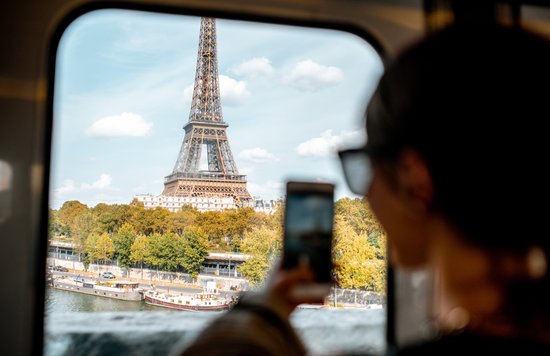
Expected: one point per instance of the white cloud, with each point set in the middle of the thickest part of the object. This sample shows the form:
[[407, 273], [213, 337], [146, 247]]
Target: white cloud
[[256, 66], [327, 144], [125, 124], [310, 76], [257, 155], [103, 182], [233, 92], [68, 186]]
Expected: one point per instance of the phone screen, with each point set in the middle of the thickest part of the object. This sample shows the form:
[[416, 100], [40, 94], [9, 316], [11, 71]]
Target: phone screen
[[309, 215]]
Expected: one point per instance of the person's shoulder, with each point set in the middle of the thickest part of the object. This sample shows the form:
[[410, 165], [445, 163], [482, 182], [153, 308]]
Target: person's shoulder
[[464, 344]]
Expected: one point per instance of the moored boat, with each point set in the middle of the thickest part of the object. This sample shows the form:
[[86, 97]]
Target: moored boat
[[205, 301], [122, 290]]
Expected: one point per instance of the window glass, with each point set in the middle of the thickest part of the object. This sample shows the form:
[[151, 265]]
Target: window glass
[[168, 176]]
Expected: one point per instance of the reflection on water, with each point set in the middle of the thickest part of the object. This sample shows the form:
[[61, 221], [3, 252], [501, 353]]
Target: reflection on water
[[61, 301], [80, 324]]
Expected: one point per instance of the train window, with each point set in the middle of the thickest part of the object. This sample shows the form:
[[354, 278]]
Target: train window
[[173, 136]]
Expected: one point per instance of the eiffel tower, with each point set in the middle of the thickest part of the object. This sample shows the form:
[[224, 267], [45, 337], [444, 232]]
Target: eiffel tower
[[206, 129]]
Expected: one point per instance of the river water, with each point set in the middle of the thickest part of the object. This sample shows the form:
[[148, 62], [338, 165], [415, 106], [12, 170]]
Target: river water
[[79, 324]]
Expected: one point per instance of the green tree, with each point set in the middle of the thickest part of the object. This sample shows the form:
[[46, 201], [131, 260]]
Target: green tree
[[166, 251], [99, 247], [55, 228], [123, 241], [195, 251], [84, 224], [140, 251], [91, 249], [264, 246]]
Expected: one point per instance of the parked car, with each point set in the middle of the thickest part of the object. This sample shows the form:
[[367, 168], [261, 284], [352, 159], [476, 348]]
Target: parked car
[[108, 274], [60, 269]]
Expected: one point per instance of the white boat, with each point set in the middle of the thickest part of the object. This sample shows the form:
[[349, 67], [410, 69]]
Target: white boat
[[123, 290], [205, 301]]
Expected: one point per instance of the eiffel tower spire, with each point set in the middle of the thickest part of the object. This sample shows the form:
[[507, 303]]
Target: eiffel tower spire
[[206, 105], [207, 130]]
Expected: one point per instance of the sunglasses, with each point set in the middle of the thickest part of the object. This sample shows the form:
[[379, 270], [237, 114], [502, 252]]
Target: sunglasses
[[358, 170]]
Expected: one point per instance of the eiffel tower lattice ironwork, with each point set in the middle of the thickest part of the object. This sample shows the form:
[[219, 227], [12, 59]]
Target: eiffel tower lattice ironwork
[[206, 129]]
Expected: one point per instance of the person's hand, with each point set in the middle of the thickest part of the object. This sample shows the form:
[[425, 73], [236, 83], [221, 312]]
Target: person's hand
[[281, 286]]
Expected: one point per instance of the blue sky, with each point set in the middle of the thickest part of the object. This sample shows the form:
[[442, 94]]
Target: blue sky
[[123, 87]]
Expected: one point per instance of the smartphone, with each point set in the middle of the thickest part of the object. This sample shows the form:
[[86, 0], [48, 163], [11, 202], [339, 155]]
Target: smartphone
[[308, 226]]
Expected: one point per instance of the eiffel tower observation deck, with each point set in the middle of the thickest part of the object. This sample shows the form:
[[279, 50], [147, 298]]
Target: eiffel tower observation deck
[[206, 133]]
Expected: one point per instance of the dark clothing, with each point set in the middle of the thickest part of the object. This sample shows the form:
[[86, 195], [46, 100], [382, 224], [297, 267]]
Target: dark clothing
[[250, 328]]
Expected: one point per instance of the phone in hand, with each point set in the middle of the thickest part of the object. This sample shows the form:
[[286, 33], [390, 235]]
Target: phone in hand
[[308, 231]]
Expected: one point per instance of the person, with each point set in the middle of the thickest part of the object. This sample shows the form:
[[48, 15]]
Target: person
[[455, 170]]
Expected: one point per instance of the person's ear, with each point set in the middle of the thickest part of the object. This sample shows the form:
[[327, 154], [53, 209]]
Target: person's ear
[[415, 178]]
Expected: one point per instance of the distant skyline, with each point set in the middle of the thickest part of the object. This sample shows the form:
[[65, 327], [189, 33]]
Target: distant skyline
[[124, 81]]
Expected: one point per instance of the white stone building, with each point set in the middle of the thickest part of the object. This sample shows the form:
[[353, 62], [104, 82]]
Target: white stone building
[[176, 203]]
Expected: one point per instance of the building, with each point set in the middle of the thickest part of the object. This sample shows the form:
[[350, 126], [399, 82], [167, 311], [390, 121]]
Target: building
[[175, 203]]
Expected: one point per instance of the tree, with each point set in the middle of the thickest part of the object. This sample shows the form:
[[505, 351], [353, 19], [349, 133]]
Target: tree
[[216, 227], [69, 211], [55, 227], [264, 246], [358, 215], [149, 221], [238, 221], [105, 248], [356, 261], [90, 248], [195, 251], [122, 242], [184, 218], [139, 252], [84, 225], [165, 251]]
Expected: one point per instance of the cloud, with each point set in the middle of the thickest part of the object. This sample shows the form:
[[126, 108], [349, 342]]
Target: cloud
[[256, 66], [257, 155], [310, 76], [103, 182], [327, 144], [233, 92], [68, 186], [125, 124]]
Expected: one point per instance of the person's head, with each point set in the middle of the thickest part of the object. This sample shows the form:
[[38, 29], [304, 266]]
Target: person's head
[[457, 144]]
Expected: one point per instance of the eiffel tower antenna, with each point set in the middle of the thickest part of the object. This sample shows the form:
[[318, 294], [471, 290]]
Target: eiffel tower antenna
[[207, 130]]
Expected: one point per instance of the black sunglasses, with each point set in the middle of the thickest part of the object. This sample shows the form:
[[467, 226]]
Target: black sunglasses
[[358, 171]]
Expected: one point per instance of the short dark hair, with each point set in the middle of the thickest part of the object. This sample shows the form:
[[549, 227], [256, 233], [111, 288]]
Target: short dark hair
[[471, 101]]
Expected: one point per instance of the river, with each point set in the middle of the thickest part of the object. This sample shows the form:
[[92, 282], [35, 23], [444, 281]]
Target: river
[[79, 324]]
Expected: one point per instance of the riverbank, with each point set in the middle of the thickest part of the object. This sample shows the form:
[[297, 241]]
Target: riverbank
[[156, 277], [349, 298]]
